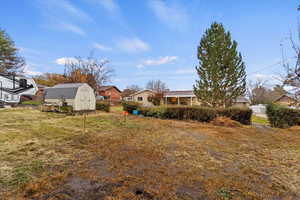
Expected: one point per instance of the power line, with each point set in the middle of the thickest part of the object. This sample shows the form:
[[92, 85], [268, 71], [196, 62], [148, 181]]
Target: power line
[[270, 66]]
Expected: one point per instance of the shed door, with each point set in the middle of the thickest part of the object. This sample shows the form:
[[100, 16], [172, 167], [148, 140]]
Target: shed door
[[84, 99]]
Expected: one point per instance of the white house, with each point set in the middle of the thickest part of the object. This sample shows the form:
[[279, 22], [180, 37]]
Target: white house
[[78, 95], [142, 97], [12, 87]]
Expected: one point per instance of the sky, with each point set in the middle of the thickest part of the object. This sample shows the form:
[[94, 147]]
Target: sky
[[149, 39]]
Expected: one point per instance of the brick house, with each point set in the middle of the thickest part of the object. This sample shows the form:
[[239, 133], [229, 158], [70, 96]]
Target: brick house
[[110, 93], [287, 100]]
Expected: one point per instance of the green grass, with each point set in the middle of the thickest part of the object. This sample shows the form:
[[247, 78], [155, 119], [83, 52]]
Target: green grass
[[116, 108], [35, 103], [259, 120]]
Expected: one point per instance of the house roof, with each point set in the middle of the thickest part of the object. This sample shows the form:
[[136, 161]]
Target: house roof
[[241, 99], [103, 88], [63, 91], [141, 92], [286, 95], [180, 93]]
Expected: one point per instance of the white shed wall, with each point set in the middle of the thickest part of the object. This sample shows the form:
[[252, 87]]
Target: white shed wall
[[85, 99]]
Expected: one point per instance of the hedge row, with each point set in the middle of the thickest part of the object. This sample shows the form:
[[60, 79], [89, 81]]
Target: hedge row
[[129, 106], [282, 117], [197, 113], [201, 114], [242, 115], [102, 105]]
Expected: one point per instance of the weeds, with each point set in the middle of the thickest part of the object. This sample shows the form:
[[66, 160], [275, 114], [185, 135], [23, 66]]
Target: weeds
[[143, 158]]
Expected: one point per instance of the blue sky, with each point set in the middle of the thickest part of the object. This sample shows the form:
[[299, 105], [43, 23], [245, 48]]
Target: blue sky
[[148, 39]]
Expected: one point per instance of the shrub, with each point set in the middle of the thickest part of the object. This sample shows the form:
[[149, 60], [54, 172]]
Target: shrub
[[158, 112], [282, 117], [102, 105], [197, 113], [33, 103], [129, 106], [66, 109], [242, 115], [201, 114]]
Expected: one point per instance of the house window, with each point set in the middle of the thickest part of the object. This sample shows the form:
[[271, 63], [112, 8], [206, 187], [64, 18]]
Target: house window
[[140, 98]]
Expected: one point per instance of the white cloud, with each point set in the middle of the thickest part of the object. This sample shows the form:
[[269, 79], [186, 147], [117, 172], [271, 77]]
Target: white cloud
[[29, 51], [185, 71], [65, 60], [30, 72], [159, 61], [63, 15], [102, 47], [174, 16], [72, 28], [134, 45], [109, 5], [61, 8]]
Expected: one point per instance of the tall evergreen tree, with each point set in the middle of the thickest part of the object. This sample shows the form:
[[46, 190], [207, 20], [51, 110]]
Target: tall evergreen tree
[[10, 61], [221, 70]]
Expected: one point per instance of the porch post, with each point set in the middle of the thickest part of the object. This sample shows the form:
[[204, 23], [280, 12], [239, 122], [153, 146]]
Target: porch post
[[191, 101], [178, 101]]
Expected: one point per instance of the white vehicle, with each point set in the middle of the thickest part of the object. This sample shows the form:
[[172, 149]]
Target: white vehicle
[[12, 87]]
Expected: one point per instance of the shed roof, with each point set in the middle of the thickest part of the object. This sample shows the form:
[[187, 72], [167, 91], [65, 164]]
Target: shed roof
[[181, 93], [63, 91], [69, 85]]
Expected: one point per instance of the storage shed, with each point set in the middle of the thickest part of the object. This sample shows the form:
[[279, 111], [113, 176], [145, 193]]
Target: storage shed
[[78, 95]]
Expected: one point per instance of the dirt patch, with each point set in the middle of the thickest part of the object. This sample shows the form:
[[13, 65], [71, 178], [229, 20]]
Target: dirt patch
[[81, 189]]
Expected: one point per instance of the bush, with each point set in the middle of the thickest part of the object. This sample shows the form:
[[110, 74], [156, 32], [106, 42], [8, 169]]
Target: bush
[[282, 117], [158, 112], [200, 114], [129, 106], [197, 113], [242, 115], [66, 109], [102, 105], [33, 103]]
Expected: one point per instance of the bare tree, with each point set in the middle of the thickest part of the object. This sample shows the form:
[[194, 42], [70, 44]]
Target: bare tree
[[257, 91], [292, 77], [93, 71], [131, 89], [157, 86]]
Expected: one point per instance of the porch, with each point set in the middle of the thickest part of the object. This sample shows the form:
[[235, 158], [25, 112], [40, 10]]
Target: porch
[[186, 98]]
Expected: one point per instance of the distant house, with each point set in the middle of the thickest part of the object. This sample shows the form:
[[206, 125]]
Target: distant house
[[241, 102], [12, 88], [181, 97], [78, 95], [142, 97], [110, 93], [287, 100]]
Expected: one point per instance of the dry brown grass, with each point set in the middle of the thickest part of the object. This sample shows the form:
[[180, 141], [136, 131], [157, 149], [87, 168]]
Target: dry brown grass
[[225, 121], [144, 158]]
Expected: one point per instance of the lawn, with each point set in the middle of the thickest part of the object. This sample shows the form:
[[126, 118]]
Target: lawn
[[48, 156], [259, 120]]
